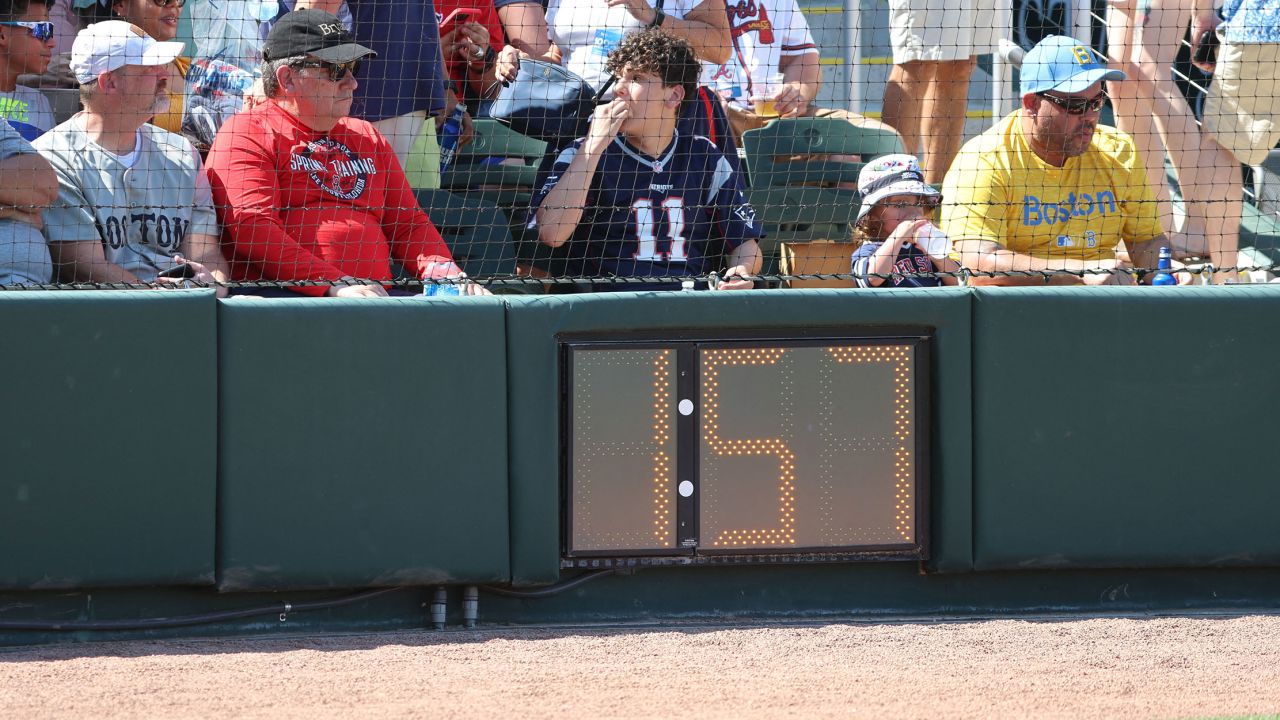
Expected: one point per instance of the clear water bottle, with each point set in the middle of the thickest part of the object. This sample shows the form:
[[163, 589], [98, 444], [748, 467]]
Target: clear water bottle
[[449, 135], [1164, 269], [430, 289]]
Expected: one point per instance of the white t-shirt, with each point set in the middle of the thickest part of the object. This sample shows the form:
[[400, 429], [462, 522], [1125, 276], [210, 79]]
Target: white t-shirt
[[586, 31], [27, 110], [764, 31]]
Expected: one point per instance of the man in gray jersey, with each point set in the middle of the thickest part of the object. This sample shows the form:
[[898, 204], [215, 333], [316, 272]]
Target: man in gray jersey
[[133, 200], [27, 184]]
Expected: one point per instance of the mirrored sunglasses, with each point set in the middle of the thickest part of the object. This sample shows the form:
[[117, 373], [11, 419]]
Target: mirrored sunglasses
[[1077, 105], [337, 71], [42, 31]]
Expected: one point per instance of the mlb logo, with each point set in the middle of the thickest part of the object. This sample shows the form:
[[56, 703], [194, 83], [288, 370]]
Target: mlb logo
[[1065, 241]]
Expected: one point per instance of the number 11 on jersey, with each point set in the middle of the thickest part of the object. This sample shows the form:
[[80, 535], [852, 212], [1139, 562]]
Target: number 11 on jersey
[[646, 230]]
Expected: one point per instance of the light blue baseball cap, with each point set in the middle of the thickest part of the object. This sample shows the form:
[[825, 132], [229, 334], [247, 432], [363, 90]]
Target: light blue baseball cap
[[1064, 64]]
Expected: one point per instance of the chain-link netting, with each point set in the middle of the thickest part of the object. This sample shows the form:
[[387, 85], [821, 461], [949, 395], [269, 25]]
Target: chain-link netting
[[372, 147]]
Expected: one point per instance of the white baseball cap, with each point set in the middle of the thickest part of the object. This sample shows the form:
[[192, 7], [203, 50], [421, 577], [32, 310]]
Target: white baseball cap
[[112, 44]]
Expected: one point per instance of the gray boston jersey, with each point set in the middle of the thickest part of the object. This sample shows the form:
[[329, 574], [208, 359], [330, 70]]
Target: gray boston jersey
[[24, 257], [140, 214]]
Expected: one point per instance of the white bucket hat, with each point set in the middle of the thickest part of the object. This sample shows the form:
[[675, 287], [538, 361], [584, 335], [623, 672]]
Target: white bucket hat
[[888, 175]]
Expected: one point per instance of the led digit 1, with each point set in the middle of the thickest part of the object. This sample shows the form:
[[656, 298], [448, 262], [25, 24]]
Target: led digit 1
[[784, 532]]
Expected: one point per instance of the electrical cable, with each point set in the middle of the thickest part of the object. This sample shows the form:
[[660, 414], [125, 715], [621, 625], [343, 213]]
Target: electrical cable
[[550, 589], [283, 609]]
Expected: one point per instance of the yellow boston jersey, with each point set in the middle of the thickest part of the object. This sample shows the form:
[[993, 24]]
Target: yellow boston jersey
[[998, 189], [171, 119]]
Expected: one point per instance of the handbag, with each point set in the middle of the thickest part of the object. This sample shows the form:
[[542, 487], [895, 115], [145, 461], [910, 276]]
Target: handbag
[[547, 102]]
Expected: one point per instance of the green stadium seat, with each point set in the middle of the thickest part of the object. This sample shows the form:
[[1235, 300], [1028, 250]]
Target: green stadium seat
[[475, 229], [804, 176], [498, 159]]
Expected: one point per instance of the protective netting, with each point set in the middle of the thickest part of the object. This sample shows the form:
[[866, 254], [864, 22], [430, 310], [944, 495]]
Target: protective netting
[[366, 147]]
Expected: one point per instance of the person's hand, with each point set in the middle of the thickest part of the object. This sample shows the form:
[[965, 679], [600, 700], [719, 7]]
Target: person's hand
[[1200, 24], [905, 232], [639, 9], [789, 101], [606, 121], [202, 278], [508, 64], [473, 45], [468, 130], [473, 289], [1113, 277], [736, 278], [357, 289]]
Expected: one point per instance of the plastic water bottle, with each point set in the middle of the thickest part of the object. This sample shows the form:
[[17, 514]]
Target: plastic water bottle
[[449, 135], [1164, 269], [431, 289]]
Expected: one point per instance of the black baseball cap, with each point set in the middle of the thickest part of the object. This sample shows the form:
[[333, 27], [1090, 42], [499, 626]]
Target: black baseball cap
[[315, 33]]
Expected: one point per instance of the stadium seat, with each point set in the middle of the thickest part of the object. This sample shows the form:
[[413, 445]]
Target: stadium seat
[[476, 231], [804, 177], [498, 161]]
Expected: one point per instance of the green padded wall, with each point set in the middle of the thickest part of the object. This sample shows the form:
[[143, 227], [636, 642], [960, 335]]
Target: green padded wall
[[363, 442], [532, 326], [1125, 426], [110, 438]]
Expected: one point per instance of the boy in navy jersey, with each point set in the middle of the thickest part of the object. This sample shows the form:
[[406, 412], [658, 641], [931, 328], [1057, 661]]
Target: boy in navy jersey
[[636, 197], [899, 240]]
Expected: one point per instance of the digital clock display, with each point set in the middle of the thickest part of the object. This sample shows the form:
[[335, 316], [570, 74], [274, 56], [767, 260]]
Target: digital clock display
[[733, 450]]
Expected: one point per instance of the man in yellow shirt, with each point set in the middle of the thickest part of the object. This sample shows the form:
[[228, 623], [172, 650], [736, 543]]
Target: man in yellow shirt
[[1046, 189]]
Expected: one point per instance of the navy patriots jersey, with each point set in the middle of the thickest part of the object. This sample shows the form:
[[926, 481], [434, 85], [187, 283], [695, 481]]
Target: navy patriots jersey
[[911, 259], [663, 217]]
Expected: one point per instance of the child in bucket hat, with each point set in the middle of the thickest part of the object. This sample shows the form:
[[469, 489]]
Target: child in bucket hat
[[898, 239]]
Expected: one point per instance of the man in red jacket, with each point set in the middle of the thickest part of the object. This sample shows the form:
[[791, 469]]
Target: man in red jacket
[[306, 192]]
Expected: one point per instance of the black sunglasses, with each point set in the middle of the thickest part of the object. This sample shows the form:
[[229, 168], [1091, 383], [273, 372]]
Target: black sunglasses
[[164, 3], [42, 31], [1077, 105], [337, 71]]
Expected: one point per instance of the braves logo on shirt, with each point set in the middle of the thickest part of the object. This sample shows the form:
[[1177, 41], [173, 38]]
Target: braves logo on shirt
[[334, 167], [756, 17]]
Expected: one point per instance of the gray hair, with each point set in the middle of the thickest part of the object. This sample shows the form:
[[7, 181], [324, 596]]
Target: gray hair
[[271, 86]]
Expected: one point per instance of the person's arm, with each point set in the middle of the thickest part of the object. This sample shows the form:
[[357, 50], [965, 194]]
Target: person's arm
[[798, 60], [330, 6], [1204, 18], [242, 176], [882, 260], [560, 210], [201, 246], [526, 26], [27, 185], [743, 263], [415, 242], [947, 265], [80, 261], [705, 27], [737, 219], [476, 46], [992, 257], [802, 78]]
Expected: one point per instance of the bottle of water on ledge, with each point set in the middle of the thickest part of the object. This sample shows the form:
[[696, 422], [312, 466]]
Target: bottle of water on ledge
[[1164, 269], [450, 133], [442, 279]]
